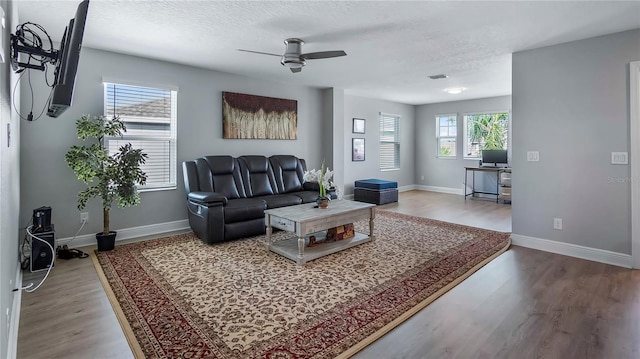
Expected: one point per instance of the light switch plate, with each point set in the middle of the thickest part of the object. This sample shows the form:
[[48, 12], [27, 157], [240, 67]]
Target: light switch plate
[[619, 158], [533, 156]]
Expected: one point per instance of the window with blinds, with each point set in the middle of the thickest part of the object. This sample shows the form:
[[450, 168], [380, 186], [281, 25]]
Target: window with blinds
[[389, 142], [150, 117], [447, 136]]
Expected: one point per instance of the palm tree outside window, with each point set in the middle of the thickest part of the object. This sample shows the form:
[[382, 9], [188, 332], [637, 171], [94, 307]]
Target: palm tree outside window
[[485, 131]]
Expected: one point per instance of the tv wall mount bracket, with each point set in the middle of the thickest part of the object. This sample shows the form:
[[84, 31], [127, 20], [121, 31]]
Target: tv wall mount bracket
[[18, 47]]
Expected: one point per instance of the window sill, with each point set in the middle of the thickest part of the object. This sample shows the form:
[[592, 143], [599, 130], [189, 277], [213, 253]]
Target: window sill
[[390, 169], [156, 189], [447, 157]]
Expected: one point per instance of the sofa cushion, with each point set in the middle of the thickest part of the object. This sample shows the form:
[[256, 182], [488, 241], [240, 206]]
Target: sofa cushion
[[220, 174], [288, 172], [244, 209], [281, 200], [257, 175], [377, 184], [306, 196]]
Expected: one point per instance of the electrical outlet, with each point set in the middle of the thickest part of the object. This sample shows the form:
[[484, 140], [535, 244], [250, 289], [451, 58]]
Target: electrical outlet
[[533, 156], [557, 223], [84, 217], [619, 158]]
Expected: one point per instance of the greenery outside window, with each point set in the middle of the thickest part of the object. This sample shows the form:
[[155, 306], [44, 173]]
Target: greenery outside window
[[150, 116], [485, 131], [389, 142], [447, 137]]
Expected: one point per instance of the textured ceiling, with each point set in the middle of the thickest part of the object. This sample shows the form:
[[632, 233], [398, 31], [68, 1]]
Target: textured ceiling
[[392, 46]]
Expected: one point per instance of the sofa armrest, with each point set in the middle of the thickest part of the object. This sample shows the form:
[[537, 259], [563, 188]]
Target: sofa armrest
[[332, 193], [208, 198]]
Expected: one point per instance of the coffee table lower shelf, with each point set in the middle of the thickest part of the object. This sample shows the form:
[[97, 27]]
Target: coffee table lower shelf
[[289, 247]]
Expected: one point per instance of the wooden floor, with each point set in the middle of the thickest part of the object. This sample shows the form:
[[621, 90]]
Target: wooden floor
[[524, 304]]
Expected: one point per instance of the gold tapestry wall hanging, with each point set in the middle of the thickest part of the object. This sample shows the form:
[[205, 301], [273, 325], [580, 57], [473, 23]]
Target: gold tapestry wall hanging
[[258, 117]]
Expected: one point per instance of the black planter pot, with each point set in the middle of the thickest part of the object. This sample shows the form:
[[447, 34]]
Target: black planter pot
[[106, 243]]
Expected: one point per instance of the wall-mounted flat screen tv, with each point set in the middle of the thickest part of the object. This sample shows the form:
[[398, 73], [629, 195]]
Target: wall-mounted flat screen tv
[[67, 63]]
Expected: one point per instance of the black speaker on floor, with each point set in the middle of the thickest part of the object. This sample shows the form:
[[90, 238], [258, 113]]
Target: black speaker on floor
[[41, 254]]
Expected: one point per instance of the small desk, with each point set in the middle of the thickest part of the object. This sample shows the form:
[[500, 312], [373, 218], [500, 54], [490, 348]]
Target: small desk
[[473, 170]]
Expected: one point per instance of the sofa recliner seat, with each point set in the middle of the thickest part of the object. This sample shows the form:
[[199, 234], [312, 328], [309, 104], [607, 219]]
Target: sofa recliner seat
[[227, 196], [241, 209]]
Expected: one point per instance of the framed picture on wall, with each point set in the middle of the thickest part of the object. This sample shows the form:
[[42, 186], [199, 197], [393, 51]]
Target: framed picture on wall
[[357, 149], [258, 117], [358, 125]]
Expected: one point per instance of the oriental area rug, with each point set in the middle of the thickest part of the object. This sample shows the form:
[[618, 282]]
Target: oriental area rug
[[177, 297]]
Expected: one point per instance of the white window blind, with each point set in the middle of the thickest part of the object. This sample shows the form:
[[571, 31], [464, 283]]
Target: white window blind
[[149, 115], [447, 137], [389, 142]]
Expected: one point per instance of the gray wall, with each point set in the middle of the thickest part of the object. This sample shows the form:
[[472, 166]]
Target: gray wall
[[571, 103], [9, 181], [47, 180], [333, 133], [440, 172], [369, 109]]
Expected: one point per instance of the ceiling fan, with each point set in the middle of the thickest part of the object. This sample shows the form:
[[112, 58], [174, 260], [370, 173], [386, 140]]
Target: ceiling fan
[[293, 57]]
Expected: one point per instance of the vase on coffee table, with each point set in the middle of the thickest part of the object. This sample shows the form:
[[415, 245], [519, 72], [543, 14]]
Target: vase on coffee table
[[323, 202]]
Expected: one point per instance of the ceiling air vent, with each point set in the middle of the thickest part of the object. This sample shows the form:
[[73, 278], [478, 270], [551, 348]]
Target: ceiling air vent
[[437, 77]]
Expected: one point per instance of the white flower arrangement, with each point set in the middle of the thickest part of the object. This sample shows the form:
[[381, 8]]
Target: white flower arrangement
[[324, 177]]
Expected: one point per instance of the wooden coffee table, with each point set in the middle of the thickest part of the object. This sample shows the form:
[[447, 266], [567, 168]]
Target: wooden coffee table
[[305, 220]]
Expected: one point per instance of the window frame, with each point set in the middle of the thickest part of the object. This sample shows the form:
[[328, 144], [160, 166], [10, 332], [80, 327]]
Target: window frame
[[173, 131], [396, 141], [439, 137], [466, 134]]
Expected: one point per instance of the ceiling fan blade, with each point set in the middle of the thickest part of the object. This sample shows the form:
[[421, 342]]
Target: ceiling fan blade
[[296, 69], [323, 55], [259, 52]]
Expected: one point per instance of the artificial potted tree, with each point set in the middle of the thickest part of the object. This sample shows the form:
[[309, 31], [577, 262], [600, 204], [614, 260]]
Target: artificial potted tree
[[112, 177]]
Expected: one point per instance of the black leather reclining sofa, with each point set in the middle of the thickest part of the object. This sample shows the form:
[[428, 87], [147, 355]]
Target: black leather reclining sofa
[[227, 196]]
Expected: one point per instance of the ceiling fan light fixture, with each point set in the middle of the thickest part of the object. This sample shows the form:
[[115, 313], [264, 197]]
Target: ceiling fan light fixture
[[294, 59], [292, 63], [454, 90]]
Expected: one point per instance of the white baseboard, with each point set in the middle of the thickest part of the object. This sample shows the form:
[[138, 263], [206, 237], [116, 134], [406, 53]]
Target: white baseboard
[[410, 187], [572, 250], [449, 190], [129, 233], [12, 349]]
